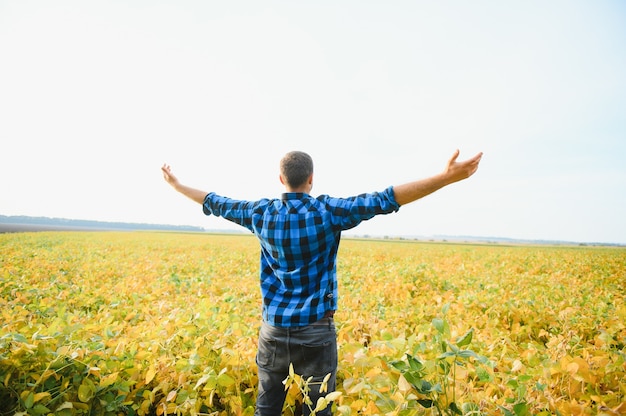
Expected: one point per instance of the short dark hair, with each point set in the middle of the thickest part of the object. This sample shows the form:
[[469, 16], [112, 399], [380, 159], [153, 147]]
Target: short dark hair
[[296, 167]]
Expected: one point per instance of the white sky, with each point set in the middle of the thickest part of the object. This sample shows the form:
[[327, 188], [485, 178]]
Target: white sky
[[96, 96]]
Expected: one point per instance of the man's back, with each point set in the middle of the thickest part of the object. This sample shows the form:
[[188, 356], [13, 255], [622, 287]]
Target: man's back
[[299, 237]]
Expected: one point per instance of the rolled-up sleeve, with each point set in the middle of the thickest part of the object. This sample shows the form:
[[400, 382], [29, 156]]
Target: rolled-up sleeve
[[349, 212], [238, 211]]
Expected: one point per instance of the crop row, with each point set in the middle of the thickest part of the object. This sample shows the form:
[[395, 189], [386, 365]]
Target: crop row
[[166, 323]]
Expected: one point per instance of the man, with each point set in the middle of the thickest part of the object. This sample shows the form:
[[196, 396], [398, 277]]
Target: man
[[299, 237]]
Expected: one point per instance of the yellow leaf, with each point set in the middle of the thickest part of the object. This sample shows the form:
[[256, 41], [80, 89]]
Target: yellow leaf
[[371, 409], [403, 385], [572, 368], [331, 397], [80, 406], [373, 372], [171, 396], [150, 373], [321, 404], [65, 405], [358, 405], [40, 396], [145, 406], [461, 373], [106, 381], [621, 409], [517, 366]]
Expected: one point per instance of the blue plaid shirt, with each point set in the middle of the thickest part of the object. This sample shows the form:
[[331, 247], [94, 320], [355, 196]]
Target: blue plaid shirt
[[299, 238]]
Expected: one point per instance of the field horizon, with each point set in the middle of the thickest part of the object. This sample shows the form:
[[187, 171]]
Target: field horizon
[[11, 224]]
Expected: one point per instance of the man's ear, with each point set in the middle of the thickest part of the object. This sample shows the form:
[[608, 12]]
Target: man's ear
[[282, 180]]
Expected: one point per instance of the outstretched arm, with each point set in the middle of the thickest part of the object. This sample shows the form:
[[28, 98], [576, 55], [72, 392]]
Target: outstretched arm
[[454, 172], [194, 194]]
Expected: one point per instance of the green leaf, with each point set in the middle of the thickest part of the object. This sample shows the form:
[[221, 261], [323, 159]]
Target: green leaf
[[425, 387], [444, 365], [467, 354], [442, 326], [439, 325], [413, 378], [17, 337], [39, 409], [445, 308], [400, 365], [470, 408], [29, 400], [446, 354], [505, 411], [483, 360], [426, 403], [512, 383], [520, 409], [455, 409], [225, 380], [415, 363], [465, 339], [85, 393], [483, 375]]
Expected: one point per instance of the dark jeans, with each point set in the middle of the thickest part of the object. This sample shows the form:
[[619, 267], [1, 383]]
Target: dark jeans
[[313, 352]]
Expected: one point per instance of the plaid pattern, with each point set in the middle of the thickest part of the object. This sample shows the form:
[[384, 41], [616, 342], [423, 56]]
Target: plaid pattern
[[299, 238]]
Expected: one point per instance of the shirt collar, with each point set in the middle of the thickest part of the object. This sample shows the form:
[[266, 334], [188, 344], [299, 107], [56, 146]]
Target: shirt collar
[[293, 195]]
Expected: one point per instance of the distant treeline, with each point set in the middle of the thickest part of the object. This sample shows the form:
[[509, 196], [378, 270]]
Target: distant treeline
[[89, 224]]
